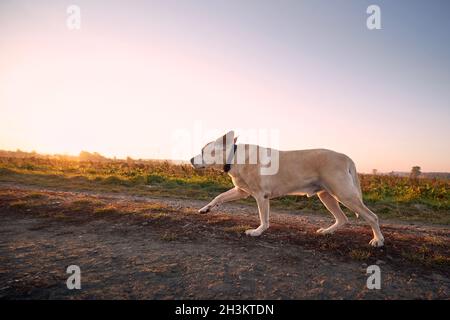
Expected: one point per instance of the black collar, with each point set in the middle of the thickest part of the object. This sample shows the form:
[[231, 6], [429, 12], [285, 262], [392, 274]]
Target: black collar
[[227, 165]]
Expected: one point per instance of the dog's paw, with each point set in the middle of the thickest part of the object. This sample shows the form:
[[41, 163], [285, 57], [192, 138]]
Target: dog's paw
[[375, 242], [253, 232], [205, 209], [326, 230]]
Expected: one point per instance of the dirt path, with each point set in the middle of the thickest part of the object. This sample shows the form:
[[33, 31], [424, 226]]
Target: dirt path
[[141, 248]]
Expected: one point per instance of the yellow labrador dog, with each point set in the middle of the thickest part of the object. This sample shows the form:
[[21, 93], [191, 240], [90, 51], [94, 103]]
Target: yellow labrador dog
[[265, 173]]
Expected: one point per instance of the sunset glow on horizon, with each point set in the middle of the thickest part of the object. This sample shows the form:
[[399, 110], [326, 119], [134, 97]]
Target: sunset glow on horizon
[[137, 73]]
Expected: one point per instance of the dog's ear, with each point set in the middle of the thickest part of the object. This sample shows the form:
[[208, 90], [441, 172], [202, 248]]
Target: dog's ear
[[226, 140]]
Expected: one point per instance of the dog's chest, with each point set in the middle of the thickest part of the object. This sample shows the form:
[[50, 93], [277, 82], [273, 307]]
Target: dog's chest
[[241, 183]]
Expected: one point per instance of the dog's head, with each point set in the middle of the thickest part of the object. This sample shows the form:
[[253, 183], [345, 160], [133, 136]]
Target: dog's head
[[216, 153]]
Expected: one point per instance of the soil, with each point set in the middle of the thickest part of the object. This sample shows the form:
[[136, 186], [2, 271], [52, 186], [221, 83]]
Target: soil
[[161, 248]]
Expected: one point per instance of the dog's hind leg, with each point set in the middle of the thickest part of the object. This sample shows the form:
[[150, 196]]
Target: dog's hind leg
[[354, 203], [263, 208], [230, 195], [344, 190], [333, 206]]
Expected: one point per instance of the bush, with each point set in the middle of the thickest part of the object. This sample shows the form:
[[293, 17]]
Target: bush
[[154, 179]]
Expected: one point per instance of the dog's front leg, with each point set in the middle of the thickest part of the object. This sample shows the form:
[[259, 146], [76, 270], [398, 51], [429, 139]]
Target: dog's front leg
[[263, 208], [230, 195]]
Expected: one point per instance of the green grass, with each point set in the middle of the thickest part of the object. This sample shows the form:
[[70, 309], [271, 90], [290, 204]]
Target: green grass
[[390, 197]]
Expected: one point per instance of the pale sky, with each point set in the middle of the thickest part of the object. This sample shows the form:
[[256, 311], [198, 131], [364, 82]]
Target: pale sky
[[140, 72]]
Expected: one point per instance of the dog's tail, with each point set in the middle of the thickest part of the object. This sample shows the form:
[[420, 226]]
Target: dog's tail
[[354, 174], [355, 178]]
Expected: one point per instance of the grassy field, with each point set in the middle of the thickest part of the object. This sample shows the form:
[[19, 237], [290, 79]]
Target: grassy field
[[424, 200]]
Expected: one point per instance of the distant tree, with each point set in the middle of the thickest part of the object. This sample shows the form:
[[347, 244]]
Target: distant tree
[[415, 172], [87, 156], [84, 156], [374, 172], [130, 161]]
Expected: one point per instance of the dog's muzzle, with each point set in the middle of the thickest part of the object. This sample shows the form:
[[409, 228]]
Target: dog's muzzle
[[195, 163]]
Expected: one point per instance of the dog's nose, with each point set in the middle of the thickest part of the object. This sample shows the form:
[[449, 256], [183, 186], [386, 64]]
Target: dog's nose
[[192, 161]]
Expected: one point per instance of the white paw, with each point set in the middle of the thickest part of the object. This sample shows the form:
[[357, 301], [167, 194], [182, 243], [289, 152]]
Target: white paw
[[375, 242], [326, 230], [253, 232], [205, 209]]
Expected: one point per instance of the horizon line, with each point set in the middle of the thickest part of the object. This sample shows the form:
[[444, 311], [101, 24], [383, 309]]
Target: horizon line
[[176, 161]]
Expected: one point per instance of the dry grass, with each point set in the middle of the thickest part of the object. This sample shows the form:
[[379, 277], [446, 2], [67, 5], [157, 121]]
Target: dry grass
[[237, 229], [360, 254], [169, 236]]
